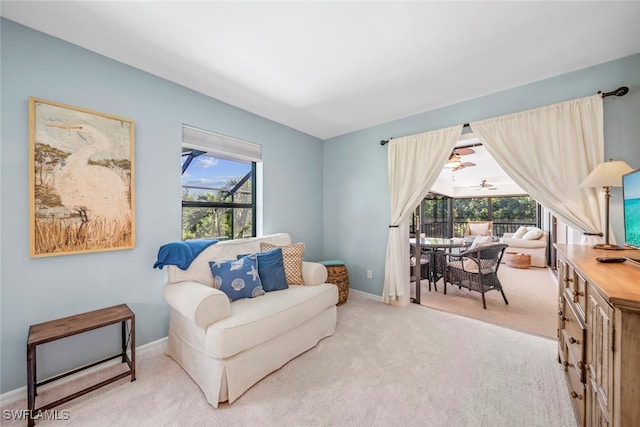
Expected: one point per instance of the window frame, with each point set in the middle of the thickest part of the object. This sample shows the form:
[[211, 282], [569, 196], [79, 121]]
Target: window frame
[[230, 149]]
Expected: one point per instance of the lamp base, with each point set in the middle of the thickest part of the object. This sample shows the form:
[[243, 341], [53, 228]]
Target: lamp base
[[608, 247]]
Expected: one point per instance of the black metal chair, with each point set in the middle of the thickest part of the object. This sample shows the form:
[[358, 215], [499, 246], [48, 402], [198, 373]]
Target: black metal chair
[[425, 264], [476, 269]]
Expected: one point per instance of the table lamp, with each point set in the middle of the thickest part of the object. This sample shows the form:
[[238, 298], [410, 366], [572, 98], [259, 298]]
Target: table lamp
[[607, 175]]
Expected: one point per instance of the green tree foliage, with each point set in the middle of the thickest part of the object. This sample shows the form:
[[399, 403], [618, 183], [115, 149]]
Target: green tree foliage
[[218, 221], [503, 209], [476, 209], [514, 209]]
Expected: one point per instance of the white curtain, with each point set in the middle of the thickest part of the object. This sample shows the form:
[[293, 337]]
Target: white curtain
[[414, 163], [548, 152]]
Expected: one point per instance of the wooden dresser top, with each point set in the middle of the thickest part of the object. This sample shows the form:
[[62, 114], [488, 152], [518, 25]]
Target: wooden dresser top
[[619, 283]]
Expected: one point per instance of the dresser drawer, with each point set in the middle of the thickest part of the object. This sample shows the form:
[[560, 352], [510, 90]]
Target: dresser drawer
[[562, 347], [577, 392], [573, 335], [575, 286], [579, 293]]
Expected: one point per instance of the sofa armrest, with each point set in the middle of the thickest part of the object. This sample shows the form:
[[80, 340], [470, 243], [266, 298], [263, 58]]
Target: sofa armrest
[[199, 303], [313, 273]]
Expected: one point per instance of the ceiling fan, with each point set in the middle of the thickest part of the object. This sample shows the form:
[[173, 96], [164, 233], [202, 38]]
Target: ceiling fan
[[455, 162], [484, 185]]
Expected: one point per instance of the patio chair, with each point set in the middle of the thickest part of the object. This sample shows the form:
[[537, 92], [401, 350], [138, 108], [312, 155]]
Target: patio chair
[[479, 228], [476, 269], [425, 264]]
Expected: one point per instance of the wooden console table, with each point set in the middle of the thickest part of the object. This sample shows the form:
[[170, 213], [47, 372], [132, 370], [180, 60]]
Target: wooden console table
[[599, 335], [72, 325]]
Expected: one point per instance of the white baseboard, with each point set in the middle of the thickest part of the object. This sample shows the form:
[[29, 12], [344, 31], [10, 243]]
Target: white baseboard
[[21, 393], [378, 298], [366, 294]]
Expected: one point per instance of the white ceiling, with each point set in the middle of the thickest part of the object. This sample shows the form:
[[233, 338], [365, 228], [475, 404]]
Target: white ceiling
[[329, 68], [465, 182]]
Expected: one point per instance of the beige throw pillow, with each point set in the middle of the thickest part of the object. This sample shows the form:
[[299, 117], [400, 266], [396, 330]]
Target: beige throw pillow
[[291, 258], [534, 233], [520, 232]]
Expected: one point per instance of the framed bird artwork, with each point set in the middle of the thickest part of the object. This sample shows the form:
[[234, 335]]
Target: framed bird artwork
[[81, 174]]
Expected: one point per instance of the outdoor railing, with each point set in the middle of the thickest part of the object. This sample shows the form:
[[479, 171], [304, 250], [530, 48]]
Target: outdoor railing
[[441, 228]]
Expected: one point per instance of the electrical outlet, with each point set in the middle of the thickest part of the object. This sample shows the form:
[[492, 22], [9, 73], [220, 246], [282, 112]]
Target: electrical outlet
[[369, 274]]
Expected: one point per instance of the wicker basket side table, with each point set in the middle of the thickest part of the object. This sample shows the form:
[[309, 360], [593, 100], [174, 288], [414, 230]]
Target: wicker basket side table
[[338, 274], [517, 260]]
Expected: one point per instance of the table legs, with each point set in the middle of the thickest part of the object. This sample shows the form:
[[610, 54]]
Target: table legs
[[31, 383]]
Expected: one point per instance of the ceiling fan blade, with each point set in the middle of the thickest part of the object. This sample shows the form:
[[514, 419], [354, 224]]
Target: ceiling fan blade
[[463, 151]]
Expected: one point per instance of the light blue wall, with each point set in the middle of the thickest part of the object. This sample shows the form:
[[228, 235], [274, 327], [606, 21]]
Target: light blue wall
[[356, 196], [338, 206], [37, 290]]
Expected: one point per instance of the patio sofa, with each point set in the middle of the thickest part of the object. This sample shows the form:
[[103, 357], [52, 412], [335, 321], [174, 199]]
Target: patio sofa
[[225, 346], [534, 244]]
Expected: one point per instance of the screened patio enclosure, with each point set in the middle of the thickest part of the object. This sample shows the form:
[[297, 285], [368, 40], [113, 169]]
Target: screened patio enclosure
[[447, 217]]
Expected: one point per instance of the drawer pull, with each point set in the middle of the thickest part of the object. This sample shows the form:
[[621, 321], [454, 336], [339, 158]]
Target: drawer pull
[[560, 313], [578, 294], [572, 340], [576, 395], [581, 365], [567, 364], [566, 279]]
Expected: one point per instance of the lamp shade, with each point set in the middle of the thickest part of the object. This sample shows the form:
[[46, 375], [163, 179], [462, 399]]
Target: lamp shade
[[607, 174]]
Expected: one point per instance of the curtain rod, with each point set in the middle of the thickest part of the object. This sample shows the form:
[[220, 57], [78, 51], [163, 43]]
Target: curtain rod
[[621, 91]]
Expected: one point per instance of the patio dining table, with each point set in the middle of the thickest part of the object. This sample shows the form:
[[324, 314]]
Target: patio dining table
[[437, 247]]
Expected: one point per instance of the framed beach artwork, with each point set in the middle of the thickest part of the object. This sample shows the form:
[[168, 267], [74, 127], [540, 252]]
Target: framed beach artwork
[[81, 173]]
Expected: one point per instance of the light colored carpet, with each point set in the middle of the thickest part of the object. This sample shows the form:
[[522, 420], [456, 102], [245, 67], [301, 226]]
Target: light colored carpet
[[385, 366], [532, 294]]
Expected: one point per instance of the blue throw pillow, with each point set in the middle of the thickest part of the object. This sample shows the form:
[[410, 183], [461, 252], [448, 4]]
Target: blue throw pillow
[[237, 278], [271, 270]]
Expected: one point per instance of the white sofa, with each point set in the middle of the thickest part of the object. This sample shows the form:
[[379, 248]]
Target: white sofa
[[226, 347], [536, 248]]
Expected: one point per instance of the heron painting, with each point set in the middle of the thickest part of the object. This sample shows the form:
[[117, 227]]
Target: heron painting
[[82, 180]]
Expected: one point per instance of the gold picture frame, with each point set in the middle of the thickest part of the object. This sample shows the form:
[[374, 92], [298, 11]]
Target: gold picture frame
[[81, 174]]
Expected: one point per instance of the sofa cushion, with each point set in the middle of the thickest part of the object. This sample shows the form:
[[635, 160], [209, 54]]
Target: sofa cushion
[[520, 232], [516, 244], [470, 266], [292, 259], [271, 270], [479, 229], [237, 278], [254, 321], [481, 241], [533, 233]]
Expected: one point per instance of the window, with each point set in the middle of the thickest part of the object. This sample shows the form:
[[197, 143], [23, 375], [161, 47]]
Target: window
[[507, 213], [443, 216], [218, 186]]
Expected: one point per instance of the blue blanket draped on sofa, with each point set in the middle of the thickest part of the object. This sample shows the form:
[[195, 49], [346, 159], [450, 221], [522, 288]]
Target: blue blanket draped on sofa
[[181, 254]]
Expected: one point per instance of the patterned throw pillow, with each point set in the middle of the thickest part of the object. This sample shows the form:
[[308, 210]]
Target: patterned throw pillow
[[271, 270], [292, 259], [237, 278]]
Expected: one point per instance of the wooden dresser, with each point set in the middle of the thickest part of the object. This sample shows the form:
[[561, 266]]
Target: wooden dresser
[[599, 335]]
